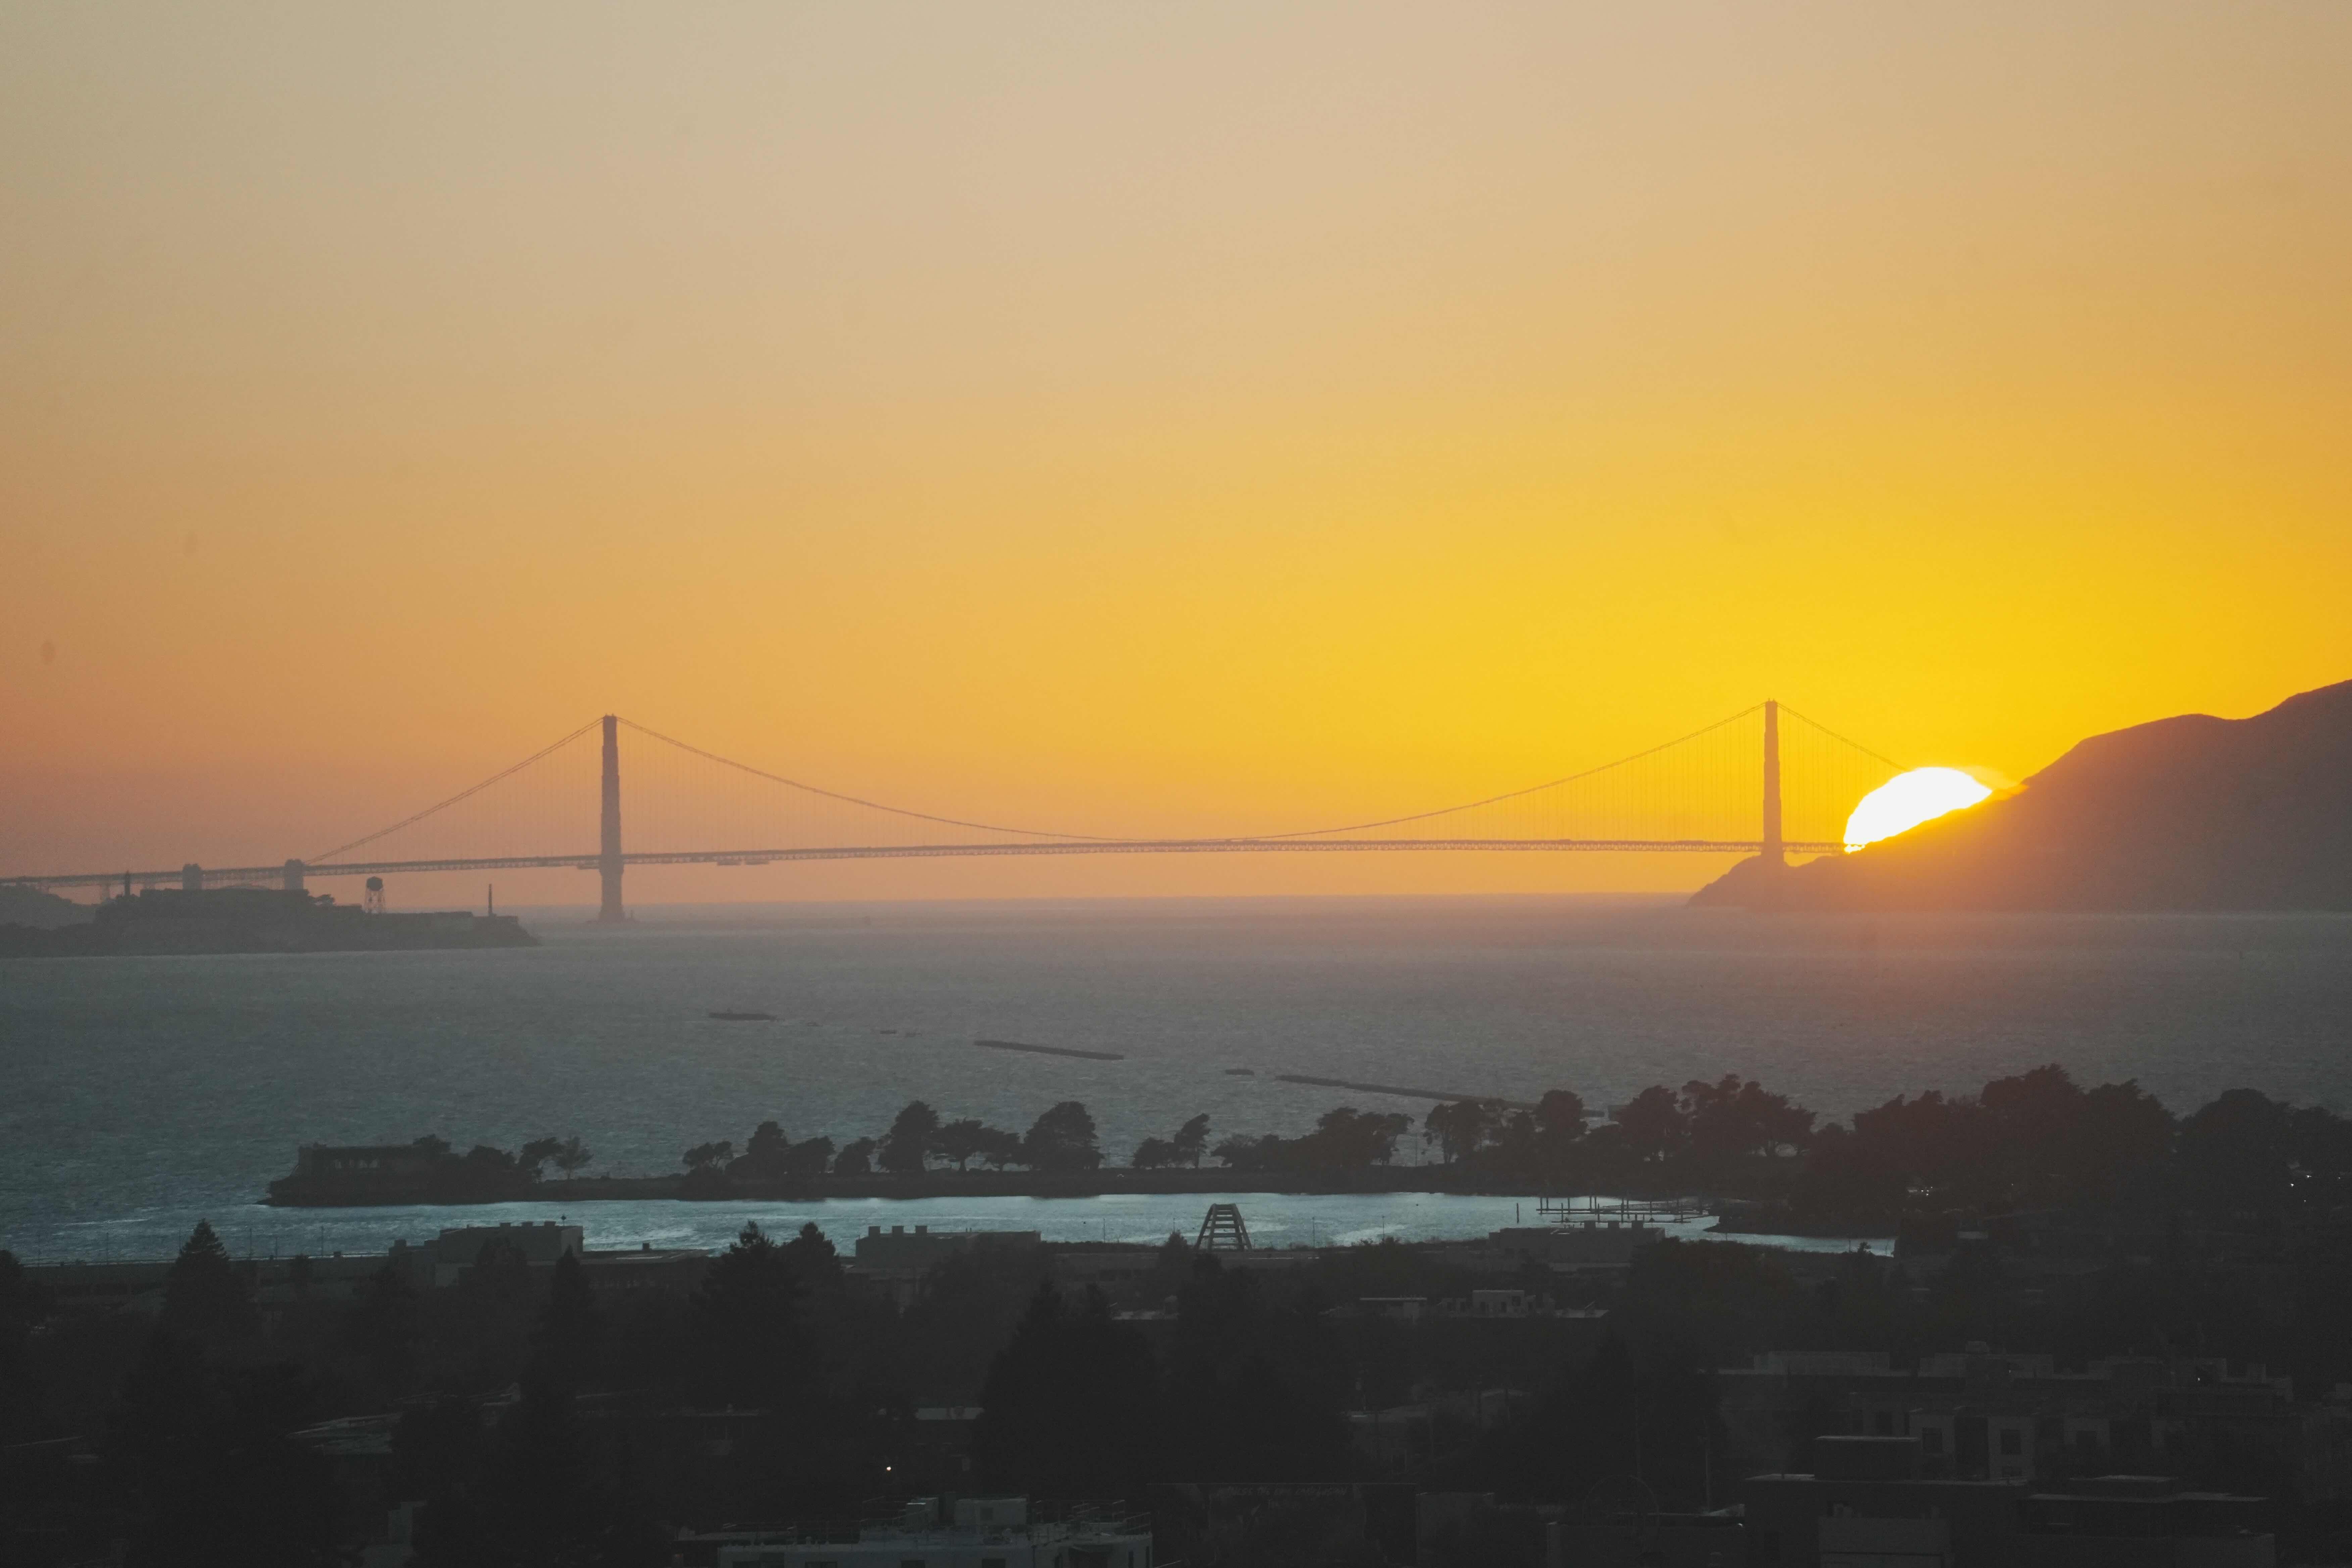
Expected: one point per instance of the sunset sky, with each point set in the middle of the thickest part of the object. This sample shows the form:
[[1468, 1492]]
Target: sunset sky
[[1144, 417]]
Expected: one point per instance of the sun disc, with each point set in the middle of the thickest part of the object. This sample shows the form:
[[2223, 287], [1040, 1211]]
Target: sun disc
[[1906, 800]]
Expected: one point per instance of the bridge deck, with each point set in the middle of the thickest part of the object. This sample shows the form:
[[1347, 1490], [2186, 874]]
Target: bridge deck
[[274, 875]]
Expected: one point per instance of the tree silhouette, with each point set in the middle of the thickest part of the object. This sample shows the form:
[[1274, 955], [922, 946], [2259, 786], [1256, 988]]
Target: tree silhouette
[[1254, 1386], [570, 1328], [1063, 1139], [1152, 1153], [205, 1296], [1346, 1138], [815, 1262], [23, 1305], [1184, 1149], [1265, 1151], [1069, 1408], [538, 1153], [383, 1327], [1726, 1120], [1192, 1140], [1651, 1125], [809, 1157], [537, 1502], [908, 1145], [1001, 1147], [1460, 1127], [215, 1480], [748, 1337], [571, 1156], [704, 1155], [436, 1450], [766, 1151], [855, 1159], [1560, 1115], [961, 1142]]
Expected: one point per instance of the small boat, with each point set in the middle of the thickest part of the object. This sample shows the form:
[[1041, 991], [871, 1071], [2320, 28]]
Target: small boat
[[744, 1018]]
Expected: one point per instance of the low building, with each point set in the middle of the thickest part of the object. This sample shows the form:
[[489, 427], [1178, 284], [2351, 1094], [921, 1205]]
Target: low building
[[461, 1248], [1864, 1504], [2143, 1522], [648, 1267], [1575, 1245], [1983, 1415], [1717, 1539], [1401, 1309], [900, 1250], [896, 1260], [1228, 1524], [364, 1172], [1867, 1505], [279, 1283], [973, 1532], [138, 1285], [1397, 1441]]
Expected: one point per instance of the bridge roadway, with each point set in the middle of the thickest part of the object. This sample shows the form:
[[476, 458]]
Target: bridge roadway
[[298, 871]]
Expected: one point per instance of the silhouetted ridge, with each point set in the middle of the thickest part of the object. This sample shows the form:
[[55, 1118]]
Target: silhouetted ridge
[[2187, 812]]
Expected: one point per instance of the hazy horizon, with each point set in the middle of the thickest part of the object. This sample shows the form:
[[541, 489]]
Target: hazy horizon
[[1202, 420]]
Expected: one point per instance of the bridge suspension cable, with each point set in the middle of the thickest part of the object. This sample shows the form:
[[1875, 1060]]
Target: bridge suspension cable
[[1700, 791], [1532, 792], [502, 774], [857, 800]]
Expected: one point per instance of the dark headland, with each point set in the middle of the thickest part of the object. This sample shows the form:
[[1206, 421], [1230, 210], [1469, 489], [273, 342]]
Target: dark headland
[[2184, 814]]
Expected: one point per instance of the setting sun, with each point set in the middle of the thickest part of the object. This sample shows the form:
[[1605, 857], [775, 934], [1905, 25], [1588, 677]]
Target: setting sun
[[1906, 800]]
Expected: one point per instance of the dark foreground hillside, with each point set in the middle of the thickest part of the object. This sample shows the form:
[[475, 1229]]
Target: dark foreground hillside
[[2189, 812]]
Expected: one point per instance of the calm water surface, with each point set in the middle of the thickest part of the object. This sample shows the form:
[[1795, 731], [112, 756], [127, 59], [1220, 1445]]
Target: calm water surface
[[137, 1094]]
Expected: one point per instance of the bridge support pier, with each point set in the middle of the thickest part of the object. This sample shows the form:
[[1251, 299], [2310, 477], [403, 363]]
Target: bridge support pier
[[294, 869], [608, 854], [1775, 850], [192, 879]]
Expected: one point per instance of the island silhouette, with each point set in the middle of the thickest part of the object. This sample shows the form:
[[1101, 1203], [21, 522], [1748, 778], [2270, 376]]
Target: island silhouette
[[2186, 813]]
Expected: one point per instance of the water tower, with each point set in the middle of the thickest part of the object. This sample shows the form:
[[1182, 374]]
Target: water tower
[[373, 899]]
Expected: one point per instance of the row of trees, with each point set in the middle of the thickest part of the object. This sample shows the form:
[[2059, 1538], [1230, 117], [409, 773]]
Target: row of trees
[[566, 1155], [1707, 1124], [2040, 1139], [1061, 1138], [2036, 1137], [1716, 1121], [1344, 1138], [485, 1172]]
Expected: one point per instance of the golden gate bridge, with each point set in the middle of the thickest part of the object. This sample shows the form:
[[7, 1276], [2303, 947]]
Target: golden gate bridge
[[1766, 781]]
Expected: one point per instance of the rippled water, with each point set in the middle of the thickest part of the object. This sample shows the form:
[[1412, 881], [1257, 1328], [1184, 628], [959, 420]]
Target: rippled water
[[140, 1093]]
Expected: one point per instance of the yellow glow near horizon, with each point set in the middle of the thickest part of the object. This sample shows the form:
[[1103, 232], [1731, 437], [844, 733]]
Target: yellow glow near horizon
[[1906, 800], [1200, 420]]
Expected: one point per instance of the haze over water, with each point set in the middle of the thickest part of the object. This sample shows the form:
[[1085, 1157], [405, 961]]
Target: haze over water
[[145, 1092]]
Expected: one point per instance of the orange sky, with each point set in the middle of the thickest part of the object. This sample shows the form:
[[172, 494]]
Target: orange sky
[[1143, 417]]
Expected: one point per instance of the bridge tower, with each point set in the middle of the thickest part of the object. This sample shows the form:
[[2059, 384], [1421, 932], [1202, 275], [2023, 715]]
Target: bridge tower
[[608, 854], [1773, 851]]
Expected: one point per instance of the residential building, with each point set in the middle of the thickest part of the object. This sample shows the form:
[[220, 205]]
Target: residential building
[[973, 1532]]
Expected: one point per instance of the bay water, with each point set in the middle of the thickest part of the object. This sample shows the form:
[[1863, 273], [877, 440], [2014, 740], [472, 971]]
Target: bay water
[[138, 1094]]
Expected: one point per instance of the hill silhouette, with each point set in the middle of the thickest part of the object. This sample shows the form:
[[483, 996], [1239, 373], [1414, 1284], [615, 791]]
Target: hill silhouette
[[30, 907], [2189, 812]]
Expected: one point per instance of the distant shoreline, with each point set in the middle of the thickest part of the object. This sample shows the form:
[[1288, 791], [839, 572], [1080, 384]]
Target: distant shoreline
[[1108, 1182]]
